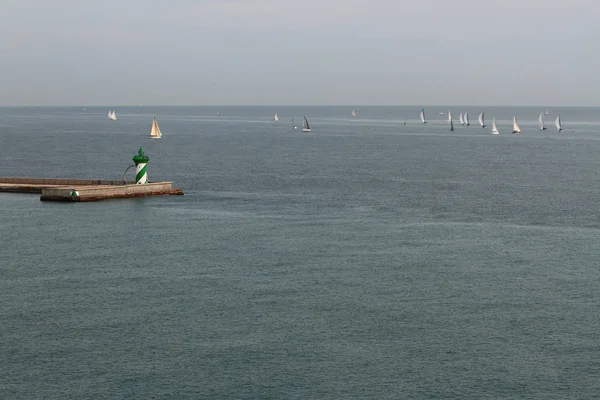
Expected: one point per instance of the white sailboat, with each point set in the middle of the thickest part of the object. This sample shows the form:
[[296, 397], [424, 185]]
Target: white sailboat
[[466, 118], [218, 113], [305, 126], [482, 120], [155, 132], [541, 122], [547, 112], [422, 115], [294, 124], [516, 127], [112, 116], [494, 128], [276, 117], [558, 123], [449, 116], [461, 119], [354, 114]]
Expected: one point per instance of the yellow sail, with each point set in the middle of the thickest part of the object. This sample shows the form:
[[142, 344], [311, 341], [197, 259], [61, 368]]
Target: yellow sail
[[155, 133]]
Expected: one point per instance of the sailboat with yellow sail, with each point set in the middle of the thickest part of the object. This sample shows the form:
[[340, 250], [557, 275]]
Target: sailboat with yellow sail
[[155, 132]]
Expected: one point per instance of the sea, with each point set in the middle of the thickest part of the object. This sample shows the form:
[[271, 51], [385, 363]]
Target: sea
[[363, 260]]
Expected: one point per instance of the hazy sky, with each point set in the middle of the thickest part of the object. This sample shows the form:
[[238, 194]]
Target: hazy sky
[[356, 52]]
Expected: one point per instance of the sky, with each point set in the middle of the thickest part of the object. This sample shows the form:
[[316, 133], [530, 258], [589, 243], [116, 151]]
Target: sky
[[299, 52]]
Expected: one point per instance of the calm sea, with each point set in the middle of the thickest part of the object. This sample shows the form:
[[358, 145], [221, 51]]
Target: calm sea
[[366, 259]]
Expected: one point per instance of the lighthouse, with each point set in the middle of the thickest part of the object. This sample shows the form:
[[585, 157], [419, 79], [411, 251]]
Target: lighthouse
[[140, 161]]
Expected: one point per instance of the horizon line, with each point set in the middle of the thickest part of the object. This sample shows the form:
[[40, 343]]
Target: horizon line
[[293, 105]]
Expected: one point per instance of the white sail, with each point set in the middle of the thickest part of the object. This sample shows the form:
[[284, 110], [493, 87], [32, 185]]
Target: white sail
[[155, 132], [354, 113], [461, 119], [494, 128], [218, 113], [482, 120], [112, 116], [422, 115], [547, 112], [305, 125], [541, 121], [466, 117], [558, 123], [109, 114], [294, 124], [516, 128], [449, 116], [276, 117]]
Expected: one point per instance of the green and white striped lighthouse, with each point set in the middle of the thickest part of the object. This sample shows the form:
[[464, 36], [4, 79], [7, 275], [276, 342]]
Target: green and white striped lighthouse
[[140, 161]]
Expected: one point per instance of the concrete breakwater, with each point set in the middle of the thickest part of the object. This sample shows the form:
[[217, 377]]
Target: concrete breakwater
[[52, 189]]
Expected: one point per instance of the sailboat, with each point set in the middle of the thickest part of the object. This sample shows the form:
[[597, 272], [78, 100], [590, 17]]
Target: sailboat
[[294, 124], [449, 116], [405, 121], [354, 114], [155, 132], [451, 125], [482, 120], [516, 127], [541, 122], [276, 117], [112, 115], [305, 126], [546, 113], [467, 123], [558, 124], [218, 113], [461, 119], [494, 128], [422, 115]]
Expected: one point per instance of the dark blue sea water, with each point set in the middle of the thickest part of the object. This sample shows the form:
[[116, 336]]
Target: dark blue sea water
[[365, 259]]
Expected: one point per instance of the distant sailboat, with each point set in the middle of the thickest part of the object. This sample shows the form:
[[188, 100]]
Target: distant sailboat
[[294, 124], [155, 132], [218, 113], [482, 120], [467, 123], [516, 128], [451, 125], [449, 116], [541, 122], [558, 123], [494, 128], [422, 115], [276, 117], [354, 114], [112, 116], [461, 119], [547, 112], [405, 121], [305, 126]]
